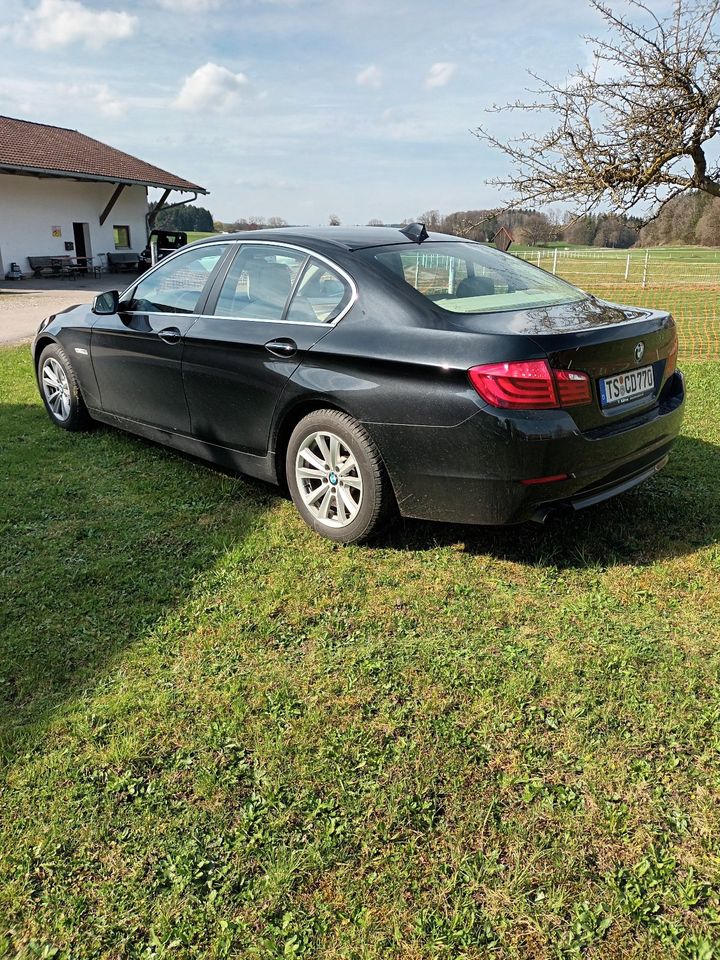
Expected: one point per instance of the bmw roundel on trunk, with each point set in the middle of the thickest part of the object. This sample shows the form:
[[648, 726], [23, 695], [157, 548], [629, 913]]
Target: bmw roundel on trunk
[[376, 372]]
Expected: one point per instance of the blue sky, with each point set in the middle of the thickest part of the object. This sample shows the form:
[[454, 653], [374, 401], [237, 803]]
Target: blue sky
[[293, 108]]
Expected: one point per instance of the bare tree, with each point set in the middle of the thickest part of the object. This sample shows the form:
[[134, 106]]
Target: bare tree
[[334, 220], [473, 224], [431, 218], [536, 228], [462, 223], [374, 222], [633, 127]]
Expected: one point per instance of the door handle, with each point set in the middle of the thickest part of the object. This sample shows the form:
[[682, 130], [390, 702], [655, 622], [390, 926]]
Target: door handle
[[170, 335], [283, 347]]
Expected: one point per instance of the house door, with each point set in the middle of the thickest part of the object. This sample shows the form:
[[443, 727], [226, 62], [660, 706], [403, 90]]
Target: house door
[[81, 236]]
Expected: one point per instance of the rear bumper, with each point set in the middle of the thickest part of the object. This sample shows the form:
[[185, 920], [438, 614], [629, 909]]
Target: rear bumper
[[602, 491], [472, 473]]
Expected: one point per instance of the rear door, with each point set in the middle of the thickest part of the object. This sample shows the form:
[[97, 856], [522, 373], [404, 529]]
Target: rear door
[[273, 305], [136, 352]]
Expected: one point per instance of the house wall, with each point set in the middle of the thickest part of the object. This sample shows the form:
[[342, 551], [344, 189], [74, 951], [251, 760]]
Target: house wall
[[30, 207]]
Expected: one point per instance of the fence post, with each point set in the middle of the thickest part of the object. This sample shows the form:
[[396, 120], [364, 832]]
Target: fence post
[[627, 267], [554, 261], [645, 268], [538, 258]]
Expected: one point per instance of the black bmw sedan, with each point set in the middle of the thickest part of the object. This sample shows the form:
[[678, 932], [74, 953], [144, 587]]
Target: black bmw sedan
[[374, 371]]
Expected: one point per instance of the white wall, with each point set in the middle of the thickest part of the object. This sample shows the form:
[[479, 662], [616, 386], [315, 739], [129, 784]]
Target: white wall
[[30, 207]]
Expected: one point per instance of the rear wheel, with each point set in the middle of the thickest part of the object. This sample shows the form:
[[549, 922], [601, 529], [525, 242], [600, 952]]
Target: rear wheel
[[336, 477], [60, 390]]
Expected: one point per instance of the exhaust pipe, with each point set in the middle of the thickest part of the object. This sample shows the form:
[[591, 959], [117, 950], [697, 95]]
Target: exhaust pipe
[[552, 511]]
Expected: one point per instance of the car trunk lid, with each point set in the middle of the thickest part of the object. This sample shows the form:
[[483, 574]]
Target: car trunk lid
[[630, 354], [600, 339]]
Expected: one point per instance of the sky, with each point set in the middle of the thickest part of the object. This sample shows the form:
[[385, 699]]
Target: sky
[[294, 108]]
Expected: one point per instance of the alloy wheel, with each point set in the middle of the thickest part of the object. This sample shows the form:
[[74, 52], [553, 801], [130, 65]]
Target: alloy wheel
[[56, 388], [328, 478]]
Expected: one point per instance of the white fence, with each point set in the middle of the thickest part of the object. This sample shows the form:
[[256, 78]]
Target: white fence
[[645, 268]]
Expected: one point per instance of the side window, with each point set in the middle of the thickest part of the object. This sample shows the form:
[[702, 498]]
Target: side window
[[320, 296], [176, 286], [259, 282]]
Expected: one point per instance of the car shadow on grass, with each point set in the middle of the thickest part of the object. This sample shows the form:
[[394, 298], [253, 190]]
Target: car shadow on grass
[[675, 513], [101, 537]]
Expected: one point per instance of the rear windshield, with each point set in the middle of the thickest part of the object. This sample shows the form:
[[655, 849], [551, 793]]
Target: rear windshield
[[467, 277]]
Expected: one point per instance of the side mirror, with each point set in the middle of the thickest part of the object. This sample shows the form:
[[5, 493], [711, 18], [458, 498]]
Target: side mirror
[[106, 303]]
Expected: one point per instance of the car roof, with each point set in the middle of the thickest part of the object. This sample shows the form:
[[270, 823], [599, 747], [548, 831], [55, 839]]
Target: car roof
[[349, 238]]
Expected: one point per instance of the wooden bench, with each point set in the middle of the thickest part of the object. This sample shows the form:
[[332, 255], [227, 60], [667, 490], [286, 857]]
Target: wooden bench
[[47, 266], [123, 261]]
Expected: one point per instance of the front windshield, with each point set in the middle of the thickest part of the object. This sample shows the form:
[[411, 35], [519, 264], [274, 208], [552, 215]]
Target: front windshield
[[466, 277]]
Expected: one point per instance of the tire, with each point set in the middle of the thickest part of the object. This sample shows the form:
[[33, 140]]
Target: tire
[[346, 500], [60, 390]]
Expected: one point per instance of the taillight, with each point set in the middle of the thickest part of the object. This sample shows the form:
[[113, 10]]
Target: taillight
[[530, 385], [527, 384], [671, 362], [573, 387]]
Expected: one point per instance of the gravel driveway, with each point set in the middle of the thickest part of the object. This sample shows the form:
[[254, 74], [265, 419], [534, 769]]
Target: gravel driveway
[[24, 303]]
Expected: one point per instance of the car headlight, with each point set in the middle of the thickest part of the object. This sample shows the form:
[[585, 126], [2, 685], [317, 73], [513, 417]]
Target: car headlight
[[44, 323]]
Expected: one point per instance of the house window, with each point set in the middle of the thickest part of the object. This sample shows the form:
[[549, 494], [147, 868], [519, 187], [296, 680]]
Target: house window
[[121, 236]]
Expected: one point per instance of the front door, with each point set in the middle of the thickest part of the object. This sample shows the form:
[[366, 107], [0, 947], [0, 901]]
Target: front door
[[137, 352], [275, 303], [81, 237]]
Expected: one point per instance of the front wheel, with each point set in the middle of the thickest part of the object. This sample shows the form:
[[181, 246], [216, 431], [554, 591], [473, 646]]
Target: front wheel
[[336, 478], [60, 390]]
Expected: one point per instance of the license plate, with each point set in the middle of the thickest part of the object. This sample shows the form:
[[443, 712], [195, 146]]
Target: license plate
[[626, 386]]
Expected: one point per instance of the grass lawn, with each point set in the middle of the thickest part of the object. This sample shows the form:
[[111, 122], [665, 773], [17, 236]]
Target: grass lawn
[[198, 235], [221, 736]]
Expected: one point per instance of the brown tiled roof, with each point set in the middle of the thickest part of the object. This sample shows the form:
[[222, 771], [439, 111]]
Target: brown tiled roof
[[27, 147]]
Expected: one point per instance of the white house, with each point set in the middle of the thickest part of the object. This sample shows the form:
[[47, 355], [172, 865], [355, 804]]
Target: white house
[[64, 194]]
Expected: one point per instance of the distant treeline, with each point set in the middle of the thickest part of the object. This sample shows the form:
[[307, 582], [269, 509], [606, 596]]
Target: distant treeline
[[532, 227], [692, 218]]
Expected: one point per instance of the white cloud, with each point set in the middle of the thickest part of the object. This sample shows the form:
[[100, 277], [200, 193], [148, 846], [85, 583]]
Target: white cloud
[[191, 6], [32, 97], [57, 23], [399, 124], [211, 87], [108, 104], [371, 76], [94, 94], [439, 75]]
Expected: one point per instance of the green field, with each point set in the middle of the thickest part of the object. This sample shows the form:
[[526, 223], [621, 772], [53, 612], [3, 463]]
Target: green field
[[222, 736], [198, 235]]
